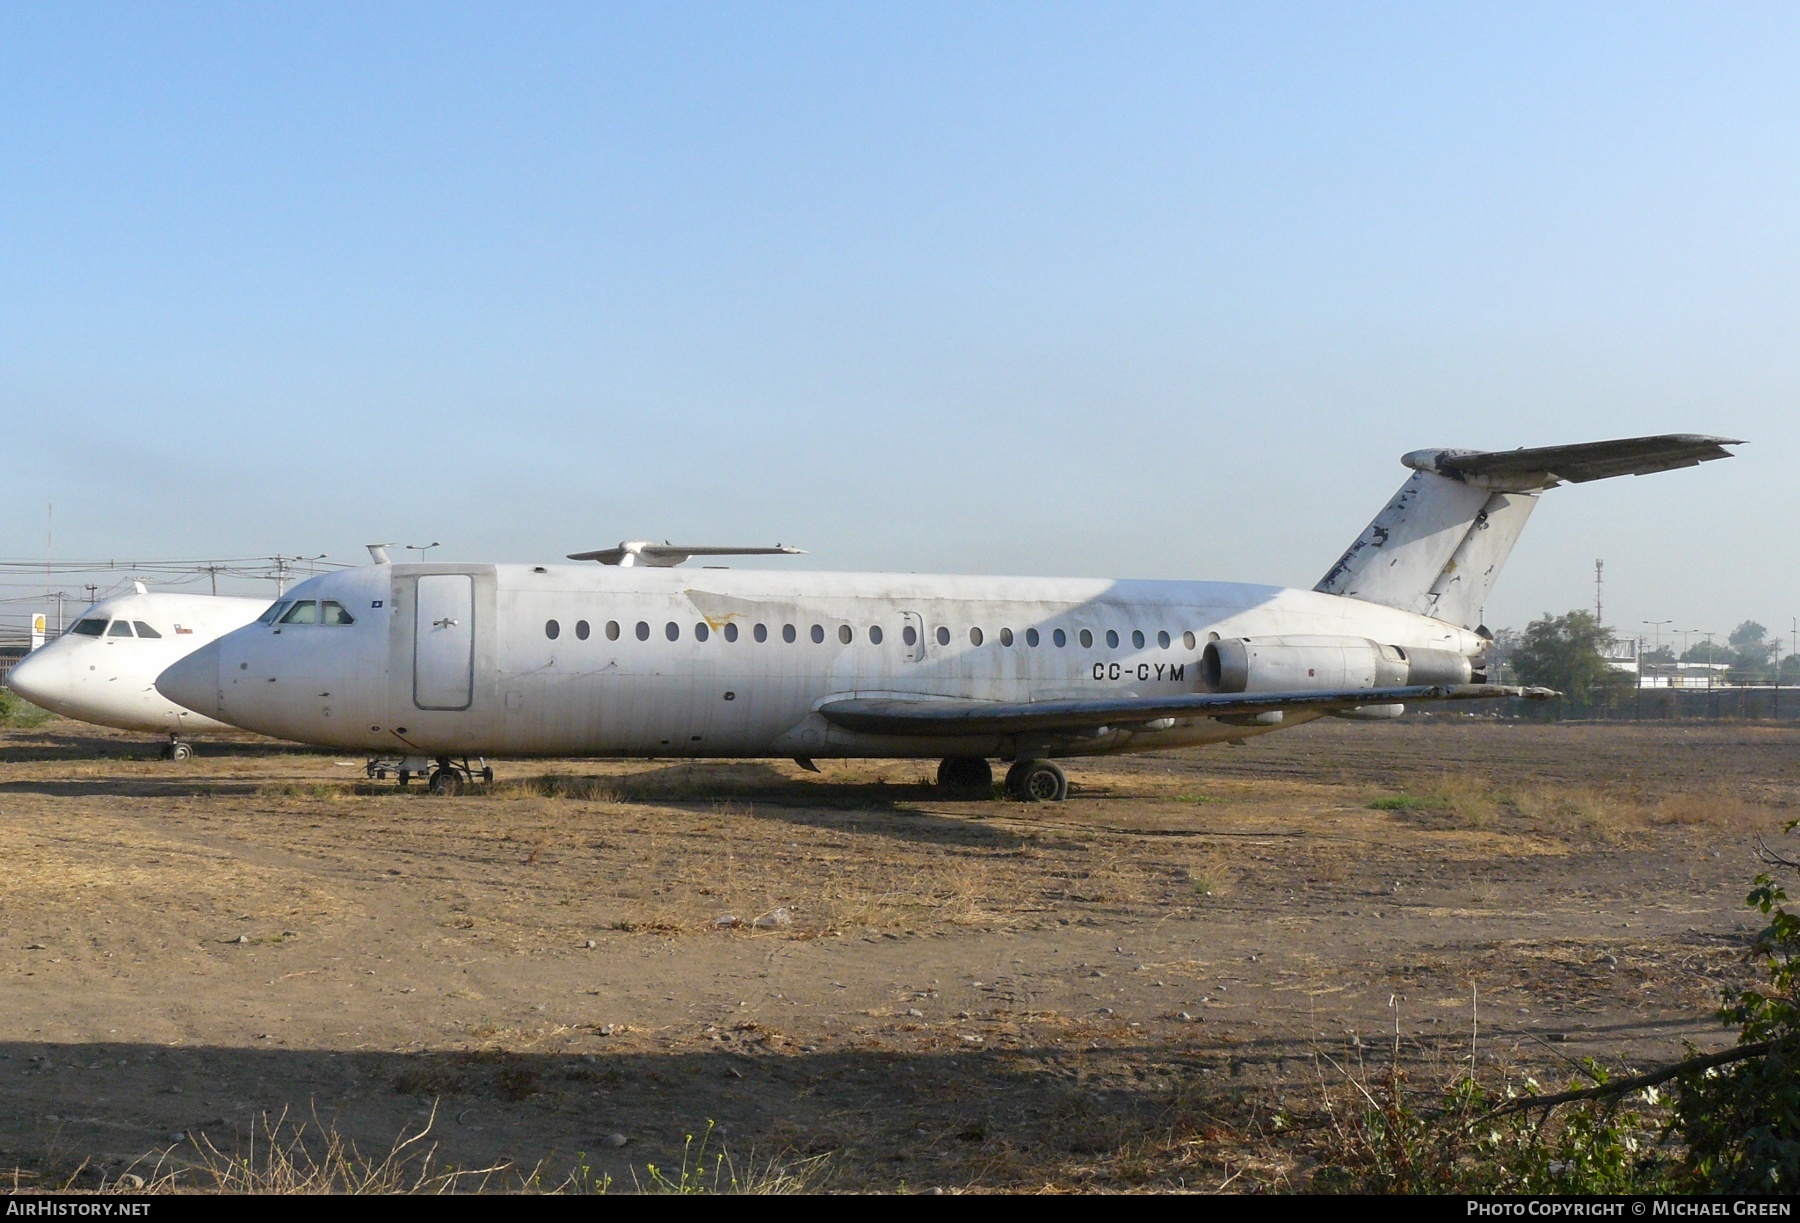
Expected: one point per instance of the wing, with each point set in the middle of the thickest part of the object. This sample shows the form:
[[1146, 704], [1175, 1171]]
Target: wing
[[667, 556], [955, 716]]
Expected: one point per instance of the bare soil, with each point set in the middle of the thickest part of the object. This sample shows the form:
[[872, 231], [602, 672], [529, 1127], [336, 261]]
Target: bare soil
[[1143, 987]]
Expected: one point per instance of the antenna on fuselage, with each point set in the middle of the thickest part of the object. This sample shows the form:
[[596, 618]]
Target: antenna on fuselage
[[379, 553]]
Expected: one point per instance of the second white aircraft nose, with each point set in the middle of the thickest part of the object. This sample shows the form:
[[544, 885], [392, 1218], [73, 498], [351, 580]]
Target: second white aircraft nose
[[193, 682]]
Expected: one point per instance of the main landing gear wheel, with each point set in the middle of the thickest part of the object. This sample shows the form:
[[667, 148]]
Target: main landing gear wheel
[[1037, 781], [965, 773], [446, 780]]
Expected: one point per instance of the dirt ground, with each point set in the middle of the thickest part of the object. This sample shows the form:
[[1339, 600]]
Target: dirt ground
[[1139, 988]]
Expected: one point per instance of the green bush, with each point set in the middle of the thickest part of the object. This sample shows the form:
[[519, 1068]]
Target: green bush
[[1465, 1142], [1741, 1123]]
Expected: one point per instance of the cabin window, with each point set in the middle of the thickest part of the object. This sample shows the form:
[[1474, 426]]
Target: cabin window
[[974, 636], [1187, 639], [702, 631], [730, 631], [943, 635], [332, 612], [846, 634], [672, 631], [552, 629], [909, 635], [268, 617], [643, 630], [612, 630], [1162, 639], [788, 634], [1032, 638], [1087, 640], [581, 630], [120, 628], [1060, 638], [1137, 639], [144, 630], [304, 612], [1005, 636], [93, 628], [818, 633], [874, 634], [760, 632], [1112, 639]]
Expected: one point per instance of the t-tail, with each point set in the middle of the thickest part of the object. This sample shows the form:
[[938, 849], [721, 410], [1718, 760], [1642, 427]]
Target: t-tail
[[1438, 545]]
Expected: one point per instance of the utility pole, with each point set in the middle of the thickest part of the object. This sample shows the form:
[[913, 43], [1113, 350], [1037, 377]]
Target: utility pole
[[284, 563], [1793, 643], [1599, 576], [1775, 709]]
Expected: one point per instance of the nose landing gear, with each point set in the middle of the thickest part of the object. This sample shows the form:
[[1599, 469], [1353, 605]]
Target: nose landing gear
[[442, 774], [176, 749]]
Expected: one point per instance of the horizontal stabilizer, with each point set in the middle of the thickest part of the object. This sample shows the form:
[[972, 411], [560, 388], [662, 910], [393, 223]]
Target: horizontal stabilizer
[[667, 555], [1544, 467], [939, 716]]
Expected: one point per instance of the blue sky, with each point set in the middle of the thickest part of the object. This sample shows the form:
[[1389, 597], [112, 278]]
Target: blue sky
[[1105, 290]]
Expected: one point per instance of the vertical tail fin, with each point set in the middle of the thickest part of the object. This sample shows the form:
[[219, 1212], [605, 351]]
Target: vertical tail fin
[[1437, 547]]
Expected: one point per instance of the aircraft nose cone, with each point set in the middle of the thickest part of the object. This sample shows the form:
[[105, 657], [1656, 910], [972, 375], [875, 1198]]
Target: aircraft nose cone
[[193, 682], [34, 678]]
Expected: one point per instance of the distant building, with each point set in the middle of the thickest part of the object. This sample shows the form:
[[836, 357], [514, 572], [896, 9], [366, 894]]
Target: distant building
[[1683, 674]]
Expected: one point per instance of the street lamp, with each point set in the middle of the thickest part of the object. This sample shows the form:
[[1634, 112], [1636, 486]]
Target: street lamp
[[422, 549]]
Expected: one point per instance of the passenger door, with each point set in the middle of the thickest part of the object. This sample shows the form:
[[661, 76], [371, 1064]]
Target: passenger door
[[912, 637], [444, 641]]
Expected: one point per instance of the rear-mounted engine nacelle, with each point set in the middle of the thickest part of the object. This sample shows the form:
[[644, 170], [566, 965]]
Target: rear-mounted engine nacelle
[[1300, 664]]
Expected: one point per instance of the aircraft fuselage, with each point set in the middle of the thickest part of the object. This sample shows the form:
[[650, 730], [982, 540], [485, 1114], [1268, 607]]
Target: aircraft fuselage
[[576, 660]]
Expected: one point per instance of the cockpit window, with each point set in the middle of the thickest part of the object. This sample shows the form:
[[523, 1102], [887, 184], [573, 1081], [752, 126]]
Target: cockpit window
[[120, 628], [89, 628], [303, 612], [144, 630], [334, 613], [275, 609]]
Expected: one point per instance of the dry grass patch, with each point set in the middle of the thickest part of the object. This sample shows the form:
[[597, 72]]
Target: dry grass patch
[[1720, 811]]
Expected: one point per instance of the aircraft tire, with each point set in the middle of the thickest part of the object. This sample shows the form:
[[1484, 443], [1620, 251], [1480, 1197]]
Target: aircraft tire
[[446, 781], [965, 773], [179, 751], [1037, 781]]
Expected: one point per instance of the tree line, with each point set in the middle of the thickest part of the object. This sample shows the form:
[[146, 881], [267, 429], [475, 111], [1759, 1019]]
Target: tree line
[[1569, 653]]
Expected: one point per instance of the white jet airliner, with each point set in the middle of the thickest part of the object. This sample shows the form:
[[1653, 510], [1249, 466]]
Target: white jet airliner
[[104, 669], [441, 662]]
